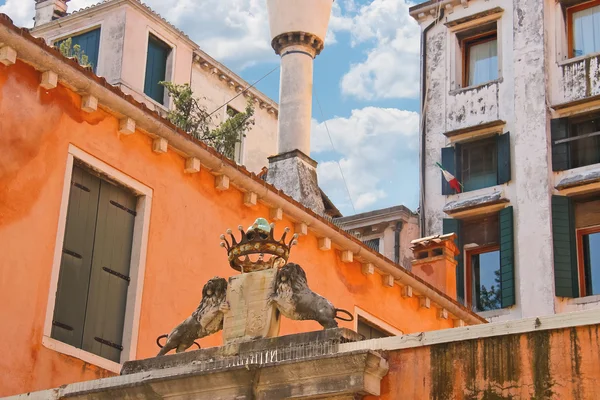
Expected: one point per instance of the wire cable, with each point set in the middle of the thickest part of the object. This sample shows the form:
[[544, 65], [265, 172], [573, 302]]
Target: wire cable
[[333, 147], [244, 91]]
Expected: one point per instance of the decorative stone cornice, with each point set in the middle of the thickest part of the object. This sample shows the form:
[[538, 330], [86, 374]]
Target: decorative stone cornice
[[297, 38], [234, 82]]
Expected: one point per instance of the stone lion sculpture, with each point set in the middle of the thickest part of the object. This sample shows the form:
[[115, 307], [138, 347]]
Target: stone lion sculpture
[[205, 320], [294, 299]]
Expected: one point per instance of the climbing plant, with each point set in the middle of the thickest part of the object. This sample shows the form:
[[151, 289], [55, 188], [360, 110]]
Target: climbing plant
[[192, 117]]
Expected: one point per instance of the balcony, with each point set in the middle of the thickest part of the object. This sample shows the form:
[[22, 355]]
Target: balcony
[[579, 78], [473, 106]]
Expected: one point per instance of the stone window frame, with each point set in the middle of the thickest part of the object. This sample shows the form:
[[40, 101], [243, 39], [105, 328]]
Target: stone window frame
[[137, 269], [170, 67], [375, 322], [50, 41], [465, 29]]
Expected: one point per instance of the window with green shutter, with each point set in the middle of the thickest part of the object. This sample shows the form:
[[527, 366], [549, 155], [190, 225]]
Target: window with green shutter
[[485, 279], [156, 68], [90, 45], [478, 164], [564, 245], [93, 280]]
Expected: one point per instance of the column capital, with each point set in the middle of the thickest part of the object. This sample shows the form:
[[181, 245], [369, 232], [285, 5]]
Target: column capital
[[304, 41]]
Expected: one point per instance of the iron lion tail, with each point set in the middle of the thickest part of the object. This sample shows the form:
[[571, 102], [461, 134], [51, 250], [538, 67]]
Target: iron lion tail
[[158, 340], [341, 311]]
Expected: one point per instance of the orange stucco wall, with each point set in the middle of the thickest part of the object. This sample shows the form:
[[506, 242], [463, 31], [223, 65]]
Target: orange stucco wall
[[187, 217], [557, 364]]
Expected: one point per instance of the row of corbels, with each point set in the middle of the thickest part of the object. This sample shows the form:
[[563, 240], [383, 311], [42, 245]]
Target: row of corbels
[[127, 126], [449, 7], [238, 87]]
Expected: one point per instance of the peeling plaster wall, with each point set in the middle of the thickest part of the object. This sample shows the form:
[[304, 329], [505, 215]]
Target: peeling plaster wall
[[557, 364], [519, 98]]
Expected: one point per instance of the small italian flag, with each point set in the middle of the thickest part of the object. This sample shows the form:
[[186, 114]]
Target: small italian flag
[[452, 181]]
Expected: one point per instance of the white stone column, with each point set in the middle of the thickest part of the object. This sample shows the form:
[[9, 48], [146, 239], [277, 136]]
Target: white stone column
[[295, 98]]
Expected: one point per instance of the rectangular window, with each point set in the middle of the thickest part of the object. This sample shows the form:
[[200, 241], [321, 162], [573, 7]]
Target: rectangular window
[[238, 149], [479, 164], [480, 59], [589, 260], [89, 42], [156, 68], [369, 330], [484, 273], [373, 244], [487, 275], [583, 24], [89, 311], [575, 141]]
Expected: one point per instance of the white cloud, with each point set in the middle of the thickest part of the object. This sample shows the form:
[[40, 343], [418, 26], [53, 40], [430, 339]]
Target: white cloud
[[377, 149], [235, 32], [391, 67]]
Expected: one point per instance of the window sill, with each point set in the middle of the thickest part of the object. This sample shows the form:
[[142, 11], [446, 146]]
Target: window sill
[[491, 198], [576, 180], [454, 92], [577, 59], [494, 313], [585, 300], [83, 355]]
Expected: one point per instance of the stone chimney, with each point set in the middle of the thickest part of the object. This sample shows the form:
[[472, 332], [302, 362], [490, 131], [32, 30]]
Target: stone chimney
[[49, 10], [435, 263], [298, 29]]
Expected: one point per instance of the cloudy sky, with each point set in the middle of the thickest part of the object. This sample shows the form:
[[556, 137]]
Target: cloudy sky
[[366, 81]]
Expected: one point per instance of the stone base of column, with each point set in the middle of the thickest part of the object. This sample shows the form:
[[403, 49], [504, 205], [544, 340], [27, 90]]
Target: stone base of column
[[295, 174]]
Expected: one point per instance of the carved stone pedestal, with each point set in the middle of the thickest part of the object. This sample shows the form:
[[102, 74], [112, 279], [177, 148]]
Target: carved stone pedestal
[[250, 317]]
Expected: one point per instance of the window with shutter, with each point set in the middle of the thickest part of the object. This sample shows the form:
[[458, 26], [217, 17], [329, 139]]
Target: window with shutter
[[90, 45], [565, 259], [156, 68], [91, 297], [478, 164], [369, 330]]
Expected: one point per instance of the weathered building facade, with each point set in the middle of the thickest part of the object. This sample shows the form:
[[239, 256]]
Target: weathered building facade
[[134, 48], [110, 220], [388, 231], [510, 107]]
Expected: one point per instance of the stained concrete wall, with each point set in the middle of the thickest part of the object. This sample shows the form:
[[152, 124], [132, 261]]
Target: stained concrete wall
[[122, 61], [556, 364], [533, 74]]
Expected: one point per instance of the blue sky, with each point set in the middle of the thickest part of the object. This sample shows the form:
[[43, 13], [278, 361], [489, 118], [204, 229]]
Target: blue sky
[[366, 79]]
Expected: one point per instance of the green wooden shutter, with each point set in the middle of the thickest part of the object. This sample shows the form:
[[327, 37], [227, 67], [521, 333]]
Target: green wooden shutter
[[455, 226], [449, 164], [503, 145], [560, 152], [76, 261], [89, 43], [156, 69], [507, 257], [565, 250], [105, 317]]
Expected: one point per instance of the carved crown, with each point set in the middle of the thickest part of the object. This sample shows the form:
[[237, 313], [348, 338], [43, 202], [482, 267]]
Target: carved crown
[[257, 248]]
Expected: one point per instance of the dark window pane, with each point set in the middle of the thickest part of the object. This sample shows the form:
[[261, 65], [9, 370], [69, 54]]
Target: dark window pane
[[369, 331], [591, 255], [479, 164], [486, 278], [585, 151]]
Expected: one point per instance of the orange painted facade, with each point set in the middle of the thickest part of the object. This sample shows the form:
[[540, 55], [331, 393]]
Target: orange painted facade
[[188, 214], [554, 364]]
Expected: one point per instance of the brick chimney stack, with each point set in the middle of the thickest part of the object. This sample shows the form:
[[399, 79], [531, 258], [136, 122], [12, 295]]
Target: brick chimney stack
[[435, 262], [48, 10]]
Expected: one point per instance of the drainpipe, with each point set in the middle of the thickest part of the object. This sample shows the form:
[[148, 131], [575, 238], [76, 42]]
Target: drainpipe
[[423, 119], [397, 230]]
